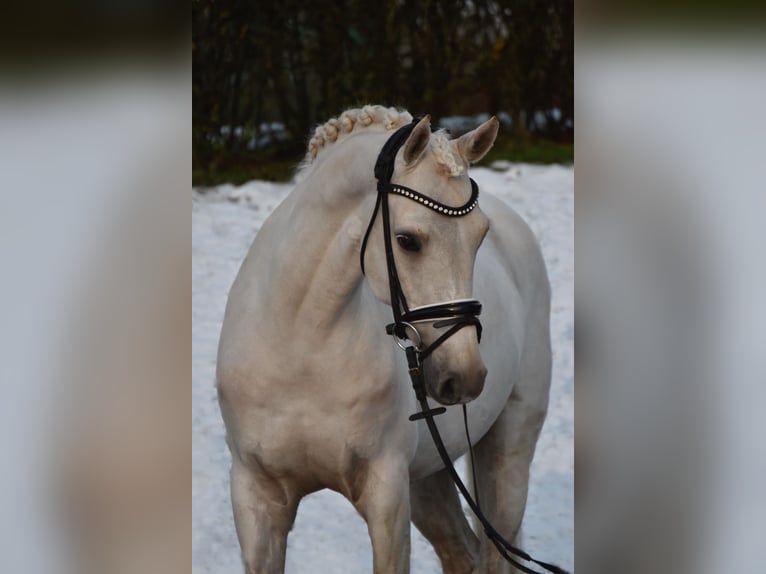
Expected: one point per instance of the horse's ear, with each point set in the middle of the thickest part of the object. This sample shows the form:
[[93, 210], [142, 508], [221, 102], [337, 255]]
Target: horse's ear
[[418, 140], [475, 144]]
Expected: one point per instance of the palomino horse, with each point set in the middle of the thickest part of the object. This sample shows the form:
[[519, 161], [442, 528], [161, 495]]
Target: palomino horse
[[315, 394]]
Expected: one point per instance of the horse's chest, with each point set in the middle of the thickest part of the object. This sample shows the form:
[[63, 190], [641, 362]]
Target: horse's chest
[[317, 417]]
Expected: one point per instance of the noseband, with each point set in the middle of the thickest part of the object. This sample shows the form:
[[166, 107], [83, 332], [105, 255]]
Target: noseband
[[454, 314]]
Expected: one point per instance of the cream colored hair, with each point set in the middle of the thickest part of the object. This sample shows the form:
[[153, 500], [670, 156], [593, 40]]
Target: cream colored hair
[[390, 119]]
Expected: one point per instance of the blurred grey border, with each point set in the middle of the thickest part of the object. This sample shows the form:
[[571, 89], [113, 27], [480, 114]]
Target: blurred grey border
[[95, 247], [669, 301]]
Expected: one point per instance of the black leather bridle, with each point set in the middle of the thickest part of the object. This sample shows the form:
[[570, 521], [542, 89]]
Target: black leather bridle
[[453, 314]]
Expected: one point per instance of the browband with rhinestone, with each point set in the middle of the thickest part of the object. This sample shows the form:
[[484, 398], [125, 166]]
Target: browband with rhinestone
[[432, 203]]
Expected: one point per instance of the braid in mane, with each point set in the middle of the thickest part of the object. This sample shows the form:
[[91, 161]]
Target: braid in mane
[[357, 119], [354, 120]]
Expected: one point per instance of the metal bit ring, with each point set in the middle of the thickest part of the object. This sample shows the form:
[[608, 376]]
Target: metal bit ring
[[401, 342]]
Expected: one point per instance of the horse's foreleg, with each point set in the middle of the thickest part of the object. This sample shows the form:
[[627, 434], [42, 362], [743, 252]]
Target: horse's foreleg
[[384, 503], [437, 513], [503, 457], [504, 454], [264, 512]]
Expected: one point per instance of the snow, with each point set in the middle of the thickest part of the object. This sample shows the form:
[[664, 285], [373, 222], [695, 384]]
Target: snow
[[329, 537]]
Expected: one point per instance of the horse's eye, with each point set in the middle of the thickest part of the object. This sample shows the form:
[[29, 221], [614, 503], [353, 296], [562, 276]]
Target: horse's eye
[[408, 242]]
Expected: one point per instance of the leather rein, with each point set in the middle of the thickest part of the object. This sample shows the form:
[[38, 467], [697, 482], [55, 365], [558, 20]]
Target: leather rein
[[453, 314]]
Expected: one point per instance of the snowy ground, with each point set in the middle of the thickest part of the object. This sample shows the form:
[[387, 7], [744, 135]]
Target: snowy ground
[[329, 537]]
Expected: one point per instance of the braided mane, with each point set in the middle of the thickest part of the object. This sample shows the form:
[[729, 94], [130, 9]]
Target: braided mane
[[356, 119]]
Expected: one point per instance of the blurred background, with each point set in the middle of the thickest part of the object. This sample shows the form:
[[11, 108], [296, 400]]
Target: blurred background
[[265, 73]]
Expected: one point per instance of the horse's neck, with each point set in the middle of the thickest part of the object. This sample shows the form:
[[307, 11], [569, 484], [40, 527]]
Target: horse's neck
[[318, 276]]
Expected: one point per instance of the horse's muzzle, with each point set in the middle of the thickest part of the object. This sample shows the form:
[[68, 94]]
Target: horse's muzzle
[[458, 388]]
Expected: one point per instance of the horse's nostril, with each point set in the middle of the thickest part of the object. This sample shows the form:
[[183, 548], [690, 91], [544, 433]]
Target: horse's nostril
[[447, 390]]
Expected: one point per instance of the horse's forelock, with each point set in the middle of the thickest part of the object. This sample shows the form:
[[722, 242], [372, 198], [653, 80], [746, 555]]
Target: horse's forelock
[[446, 155]]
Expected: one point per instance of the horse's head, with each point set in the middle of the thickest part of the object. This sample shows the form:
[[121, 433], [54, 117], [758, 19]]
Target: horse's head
[[434, 253]]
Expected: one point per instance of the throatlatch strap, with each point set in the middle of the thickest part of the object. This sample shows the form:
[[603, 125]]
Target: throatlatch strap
[[367, 233]]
